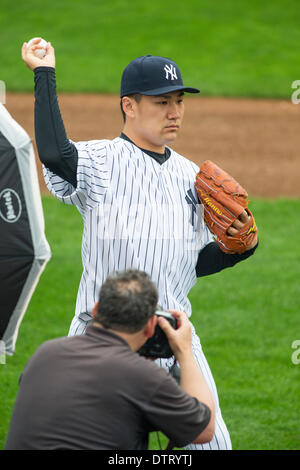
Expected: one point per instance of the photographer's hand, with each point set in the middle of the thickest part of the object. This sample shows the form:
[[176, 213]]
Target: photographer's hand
[[191, 378], [180, 340]]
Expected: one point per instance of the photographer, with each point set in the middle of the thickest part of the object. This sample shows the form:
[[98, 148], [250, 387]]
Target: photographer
[[95, 392]]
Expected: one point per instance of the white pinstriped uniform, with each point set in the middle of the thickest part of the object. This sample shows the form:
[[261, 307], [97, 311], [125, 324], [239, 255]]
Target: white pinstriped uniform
[[143, 215]]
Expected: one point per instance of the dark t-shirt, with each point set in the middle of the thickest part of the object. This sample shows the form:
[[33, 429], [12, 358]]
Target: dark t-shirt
[[94, 392]]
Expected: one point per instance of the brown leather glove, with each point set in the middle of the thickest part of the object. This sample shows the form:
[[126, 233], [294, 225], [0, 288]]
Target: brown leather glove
[[225, 202]]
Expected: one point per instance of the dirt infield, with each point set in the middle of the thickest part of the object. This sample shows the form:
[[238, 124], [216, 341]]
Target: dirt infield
[[257, 141]]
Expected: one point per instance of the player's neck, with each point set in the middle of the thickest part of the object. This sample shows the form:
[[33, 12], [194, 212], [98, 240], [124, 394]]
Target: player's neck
[[143, 143]]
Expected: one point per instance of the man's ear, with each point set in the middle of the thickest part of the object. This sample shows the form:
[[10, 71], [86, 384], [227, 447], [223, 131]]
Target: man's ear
[[128, 105], [150, 326], [95, 309]]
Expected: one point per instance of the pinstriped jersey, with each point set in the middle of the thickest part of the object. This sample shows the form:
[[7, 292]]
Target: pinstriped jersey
[[137, 214]]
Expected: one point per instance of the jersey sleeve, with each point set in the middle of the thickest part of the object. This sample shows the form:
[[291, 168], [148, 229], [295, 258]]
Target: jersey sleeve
[[93, 177], [178, 415]]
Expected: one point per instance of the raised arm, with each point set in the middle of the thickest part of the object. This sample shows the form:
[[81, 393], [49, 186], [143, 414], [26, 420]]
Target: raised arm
[[55, 150]]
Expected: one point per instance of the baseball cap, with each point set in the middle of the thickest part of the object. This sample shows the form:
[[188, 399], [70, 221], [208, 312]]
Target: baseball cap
[[152, 75]]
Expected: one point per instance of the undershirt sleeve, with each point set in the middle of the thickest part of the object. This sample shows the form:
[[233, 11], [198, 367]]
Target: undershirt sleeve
[[55, 150], [212, 259]]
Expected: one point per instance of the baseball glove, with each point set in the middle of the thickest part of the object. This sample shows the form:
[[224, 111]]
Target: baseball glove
[[224, 201]]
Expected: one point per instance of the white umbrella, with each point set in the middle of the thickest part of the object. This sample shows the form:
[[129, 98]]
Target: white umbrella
[[24, 250]]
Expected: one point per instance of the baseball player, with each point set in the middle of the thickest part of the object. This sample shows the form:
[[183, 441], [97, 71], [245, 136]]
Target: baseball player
[[135, 194]]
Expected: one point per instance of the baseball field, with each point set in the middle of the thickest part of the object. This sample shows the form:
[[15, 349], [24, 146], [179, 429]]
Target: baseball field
[[244, 57]]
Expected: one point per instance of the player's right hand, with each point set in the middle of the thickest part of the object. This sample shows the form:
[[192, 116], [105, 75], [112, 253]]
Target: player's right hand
[[32, 61], [180, 340]]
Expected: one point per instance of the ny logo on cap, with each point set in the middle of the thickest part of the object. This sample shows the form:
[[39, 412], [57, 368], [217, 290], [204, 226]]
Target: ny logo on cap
[[170, 70]]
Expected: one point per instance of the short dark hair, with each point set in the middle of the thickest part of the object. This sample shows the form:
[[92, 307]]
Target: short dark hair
[[126, 301], [136, 97]]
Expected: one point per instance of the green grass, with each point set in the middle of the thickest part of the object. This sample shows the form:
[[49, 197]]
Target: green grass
[[229, 48], [247, 318]]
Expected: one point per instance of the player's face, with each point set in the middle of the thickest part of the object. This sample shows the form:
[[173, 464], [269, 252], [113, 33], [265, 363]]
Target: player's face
[[158, 120]]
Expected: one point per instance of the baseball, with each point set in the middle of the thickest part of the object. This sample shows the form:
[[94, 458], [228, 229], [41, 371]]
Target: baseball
[[40, 53]]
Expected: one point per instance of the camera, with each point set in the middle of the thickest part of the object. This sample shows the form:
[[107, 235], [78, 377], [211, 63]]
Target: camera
[[158, 345]]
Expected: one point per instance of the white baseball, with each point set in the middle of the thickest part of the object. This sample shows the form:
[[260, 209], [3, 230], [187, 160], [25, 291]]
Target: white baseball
[[40, 53]]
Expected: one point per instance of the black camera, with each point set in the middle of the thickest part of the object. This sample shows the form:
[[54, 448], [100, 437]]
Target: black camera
[[158, 345]]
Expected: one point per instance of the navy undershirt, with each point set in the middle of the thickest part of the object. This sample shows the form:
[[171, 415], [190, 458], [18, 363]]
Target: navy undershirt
[[60, 155]]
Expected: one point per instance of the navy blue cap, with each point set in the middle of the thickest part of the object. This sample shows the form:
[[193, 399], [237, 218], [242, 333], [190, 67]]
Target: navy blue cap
[[152, 75]]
